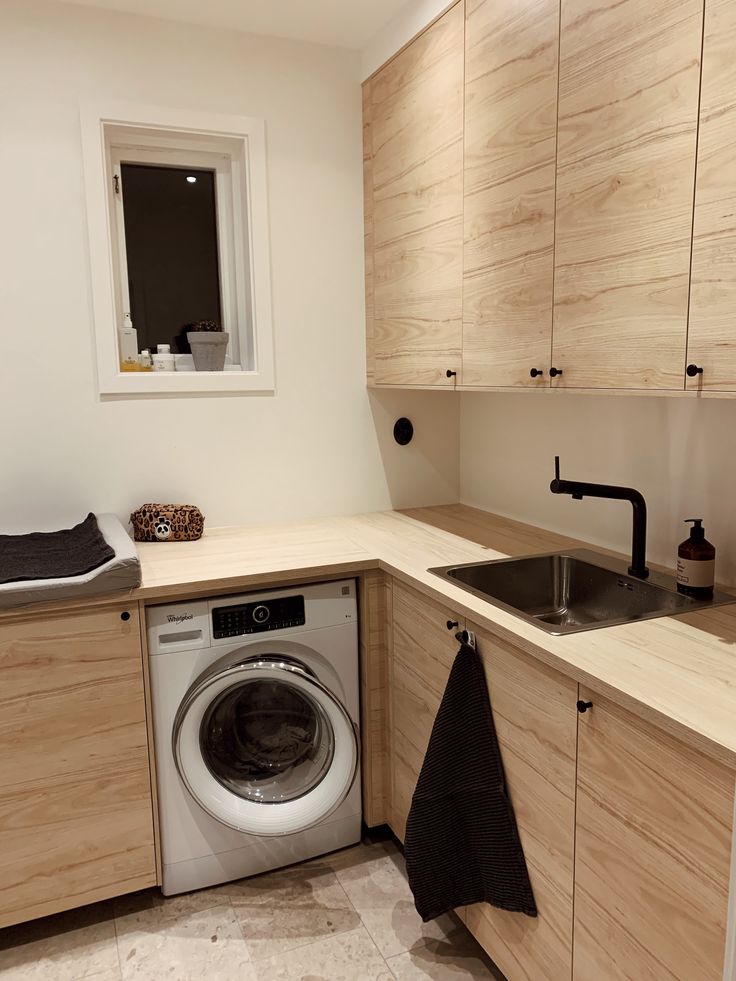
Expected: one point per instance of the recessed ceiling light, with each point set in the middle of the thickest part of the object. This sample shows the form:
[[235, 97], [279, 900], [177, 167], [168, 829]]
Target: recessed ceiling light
[[191, 180]]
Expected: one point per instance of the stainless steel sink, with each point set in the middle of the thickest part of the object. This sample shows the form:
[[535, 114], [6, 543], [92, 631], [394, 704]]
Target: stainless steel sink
[[566, 592]]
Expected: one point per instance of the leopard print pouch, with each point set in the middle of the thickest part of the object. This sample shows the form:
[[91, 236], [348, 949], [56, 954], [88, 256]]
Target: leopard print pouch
[[167, 523]]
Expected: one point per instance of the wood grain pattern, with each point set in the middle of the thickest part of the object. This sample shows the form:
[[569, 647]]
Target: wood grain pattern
[[422, 653], [536, 723], [510, 158], [629, 82], [368, 231], [712, 333], [652, 853], [76, 819], [417, 160], [374, 599]]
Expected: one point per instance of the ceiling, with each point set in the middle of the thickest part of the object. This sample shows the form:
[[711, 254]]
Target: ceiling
[[343, 23]]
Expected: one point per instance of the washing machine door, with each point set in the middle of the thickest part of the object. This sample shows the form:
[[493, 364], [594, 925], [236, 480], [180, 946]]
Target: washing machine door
[[264, 747]]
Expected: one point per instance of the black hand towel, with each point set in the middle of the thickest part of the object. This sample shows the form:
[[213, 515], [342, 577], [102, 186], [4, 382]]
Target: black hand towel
[[54, 554], [462, 844]]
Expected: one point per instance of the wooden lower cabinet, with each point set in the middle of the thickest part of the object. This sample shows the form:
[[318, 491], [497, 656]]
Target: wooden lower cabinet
[[76, 819], [653, 851], [422, 652], [536, 723], [626, 831]]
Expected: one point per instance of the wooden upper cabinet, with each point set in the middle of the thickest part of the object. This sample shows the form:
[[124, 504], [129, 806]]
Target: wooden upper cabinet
[[416, 163], [76, 819], [712, 335], [628, 112], [652, 854], [536, 725], [511, 52]]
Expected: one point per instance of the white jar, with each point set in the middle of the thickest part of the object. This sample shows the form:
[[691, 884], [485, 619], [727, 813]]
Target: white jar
[[163, 359]]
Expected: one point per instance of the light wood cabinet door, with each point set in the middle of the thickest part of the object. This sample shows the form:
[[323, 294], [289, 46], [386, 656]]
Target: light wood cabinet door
[[628, 113], [416, 165], [422, 654], [712, 334], [510, 152], [536, 723], [76, 821], [652, 853]]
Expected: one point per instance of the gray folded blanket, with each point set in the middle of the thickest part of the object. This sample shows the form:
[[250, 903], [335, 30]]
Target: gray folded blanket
[[54, 554]]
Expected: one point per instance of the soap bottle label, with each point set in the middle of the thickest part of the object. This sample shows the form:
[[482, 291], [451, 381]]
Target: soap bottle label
[[696, 574]]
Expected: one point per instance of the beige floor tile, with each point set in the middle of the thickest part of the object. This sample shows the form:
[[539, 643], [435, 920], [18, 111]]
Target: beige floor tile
[[307, 886], [269, 931], [70, 947], [376, 883], [358, 854], [198, 944], [398, 928], [168, 906], [454, 960], [348, 957]]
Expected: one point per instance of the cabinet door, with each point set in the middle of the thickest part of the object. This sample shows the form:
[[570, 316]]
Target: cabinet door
[[76, 822], [712, 335], [416, 131], [536, 723], [423, 650], [652, 854], [628, 112], [510, 152]]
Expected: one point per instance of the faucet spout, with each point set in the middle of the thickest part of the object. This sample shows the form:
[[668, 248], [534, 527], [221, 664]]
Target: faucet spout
[[579, 489]]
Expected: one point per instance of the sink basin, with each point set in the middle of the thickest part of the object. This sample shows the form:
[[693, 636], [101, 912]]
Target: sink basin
[[566, 592]]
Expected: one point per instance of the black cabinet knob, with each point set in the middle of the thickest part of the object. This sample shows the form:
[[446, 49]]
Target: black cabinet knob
[[584, 706], [125, 616], [535, 372], [450, 374], [452, 624], [554, 372], [693, 370]]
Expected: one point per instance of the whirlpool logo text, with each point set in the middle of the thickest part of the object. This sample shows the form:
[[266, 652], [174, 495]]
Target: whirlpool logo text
[[179, 617]]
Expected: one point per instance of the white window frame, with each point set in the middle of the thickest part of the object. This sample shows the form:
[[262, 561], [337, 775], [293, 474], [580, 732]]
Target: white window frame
[[232, 146]]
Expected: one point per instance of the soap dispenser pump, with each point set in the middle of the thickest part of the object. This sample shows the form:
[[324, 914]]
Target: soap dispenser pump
[[696, 563]]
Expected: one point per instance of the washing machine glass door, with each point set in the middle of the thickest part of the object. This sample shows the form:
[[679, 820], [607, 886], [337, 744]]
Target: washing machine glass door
[[263, 746]]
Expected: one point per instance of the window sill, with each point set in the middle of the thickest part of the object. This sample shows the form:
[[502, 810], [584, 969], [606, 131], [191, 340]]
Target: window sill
[[142, 384]]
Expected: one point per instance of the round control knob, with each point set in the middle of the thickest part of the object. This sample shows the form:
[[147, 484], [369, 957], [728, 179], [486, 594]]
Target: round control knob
[[693, 370], [261, 614], [554, 372]]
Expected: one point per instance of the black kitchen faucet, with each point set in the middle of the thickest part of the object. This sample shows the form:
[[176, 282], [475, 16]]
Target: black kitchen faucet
[[579, 489]]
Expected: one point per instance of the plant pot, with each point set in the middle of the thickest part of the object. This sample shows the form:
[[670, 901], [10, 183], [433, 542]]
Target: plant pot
[[208, 349]]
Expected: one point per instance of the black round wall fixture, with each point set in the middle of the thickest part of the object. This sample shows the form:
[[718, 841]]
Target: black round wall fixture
[[403, 431]]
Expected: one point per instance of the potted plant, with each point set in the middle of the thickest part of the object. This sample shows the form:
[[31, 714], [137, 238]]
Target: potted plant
[[208, 343]]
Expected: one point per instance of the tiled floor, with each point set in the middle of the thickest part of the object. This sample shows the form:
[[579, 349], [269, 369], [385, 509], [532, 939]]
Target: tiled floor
[[345, 917]]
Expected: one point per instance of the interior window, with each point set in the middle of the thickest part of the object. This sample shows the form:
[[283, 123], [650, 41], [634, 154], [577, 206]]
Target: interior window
[[170, 219]]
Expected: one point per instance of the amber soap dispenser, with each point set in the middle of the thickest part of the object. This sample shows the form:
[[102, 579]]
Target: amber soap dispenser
[[696, 562]]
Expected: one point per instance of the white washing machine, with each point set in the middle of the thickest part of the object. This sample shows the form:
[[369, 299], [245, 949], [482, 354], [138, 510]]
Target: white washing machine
[[255, 716]]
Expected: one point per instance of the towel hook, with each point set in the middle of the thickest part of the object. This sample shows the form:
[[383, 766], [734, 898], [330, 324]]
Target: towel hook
[[466, 637]]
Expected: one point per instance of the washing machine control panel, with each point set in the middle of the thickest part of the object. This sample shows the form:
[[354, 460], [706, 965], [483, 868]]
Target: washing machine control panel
[[252, 618]]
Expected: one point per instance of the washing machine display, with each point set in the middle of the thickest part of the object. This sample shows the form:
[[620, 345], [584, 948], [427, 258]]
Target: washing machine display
[[264, 731], [256, 709]]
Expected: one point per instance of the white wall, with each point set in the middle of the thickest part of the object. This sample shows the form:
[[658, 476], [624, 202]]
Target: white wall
[[320, 446], [680, 453], [410, 20]]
